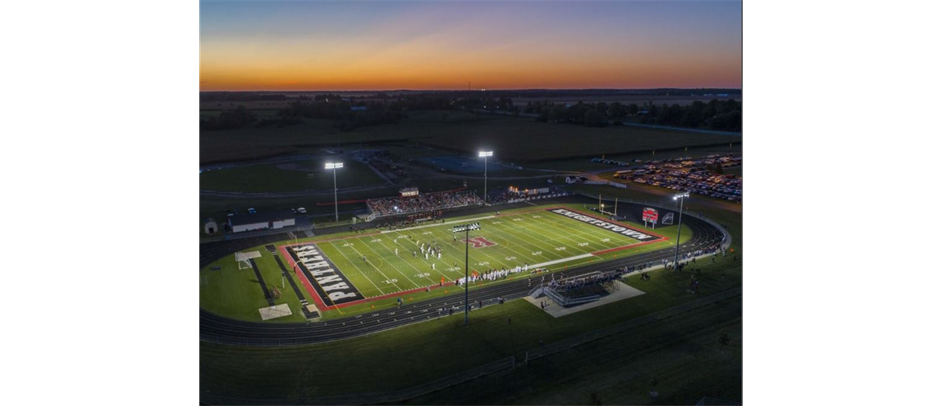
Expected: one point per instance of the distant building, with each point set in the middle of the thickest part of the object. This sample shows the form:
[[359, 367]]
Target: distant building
[[576, 179], [262, 221], [210, 227]]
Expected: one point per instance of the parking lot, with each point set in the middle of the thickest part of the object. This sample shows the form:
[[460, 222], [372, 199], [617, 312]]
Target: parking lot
[[701, 176]]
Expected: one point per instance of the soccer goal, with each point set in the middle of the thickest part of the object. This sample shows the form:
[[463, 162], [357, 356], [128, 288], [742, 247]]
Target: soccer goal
[[243, 258]]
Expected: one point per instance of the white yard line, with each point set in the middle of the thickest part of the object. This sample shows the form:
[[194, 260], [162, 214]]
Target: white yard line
[[358, 269], [407, 263], [380, 271], [436, 224]]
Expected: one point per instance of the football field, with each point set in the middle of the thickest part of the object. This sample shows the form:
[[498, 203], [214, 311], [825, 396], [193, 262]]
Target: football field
[[361, 267]]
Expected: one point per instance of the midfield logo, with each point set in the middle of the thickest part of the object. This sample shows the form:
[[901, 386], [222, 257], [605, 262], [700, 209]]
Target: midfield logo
[[480, 242]]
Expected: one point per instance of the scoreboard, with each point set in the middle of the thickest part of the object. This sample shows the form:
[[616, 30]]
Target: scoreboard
[[649, 215]]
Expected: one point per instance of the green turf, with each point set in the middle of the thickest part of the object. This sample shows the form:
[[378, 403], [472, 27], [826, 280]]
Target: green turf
[[529, 238], [287, 177], [523, 236], [236, 292]]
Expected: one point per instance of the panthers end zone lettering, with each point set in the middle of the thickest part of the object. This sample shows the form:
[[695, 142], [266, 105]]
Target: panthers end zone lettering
[[625, 231], [332, 286]]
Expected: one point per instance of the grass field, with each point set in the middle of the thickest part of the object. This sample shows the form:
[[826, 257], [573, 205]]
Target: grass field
[[404, 357], [287, 177], [530, 236], [256, 143], [261, 113], [516, 139], [236, 292], [537, 238], [522, 139]]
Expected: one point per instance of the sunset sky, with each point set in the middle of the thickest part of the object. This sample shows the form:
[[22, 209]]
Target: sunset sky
[[381, 45]]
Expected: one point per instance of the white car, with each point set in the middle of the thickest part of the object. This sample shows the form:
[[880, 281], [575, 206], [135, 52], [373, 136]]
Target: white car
[[302, 210]]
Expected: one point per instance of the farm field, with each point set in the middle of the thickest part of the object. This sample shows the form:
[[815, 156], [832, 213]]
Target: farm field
[[286, 177], [517, 139]]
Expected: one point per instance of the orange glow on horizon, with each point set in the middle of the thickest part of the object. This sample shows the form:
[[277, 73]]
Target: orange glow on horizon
[[424, 46]]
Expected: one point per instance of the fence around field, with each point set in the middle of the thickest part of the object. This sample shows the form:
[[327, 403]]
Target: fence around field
[[372, 398]]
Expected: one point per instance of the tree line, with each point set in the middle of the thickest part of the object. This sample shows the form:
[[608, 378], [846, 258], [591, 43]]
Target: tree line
[[349, 114], [725, 115]]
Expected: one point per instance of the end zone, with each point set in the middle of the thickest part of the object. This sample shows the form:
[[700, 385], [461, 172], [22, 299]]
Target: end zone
[[644, 237], [320, 277]]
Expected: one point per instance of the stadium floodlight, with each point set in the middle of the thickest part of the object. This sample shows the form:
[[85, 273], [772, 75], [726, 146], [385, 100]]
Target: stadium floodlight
[[485, 154], [680, 219], [335, 166], [466, 229]]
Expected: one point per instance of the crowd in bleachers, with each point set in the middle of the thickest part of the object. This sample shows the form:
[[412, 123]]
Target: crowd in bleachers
[[426, 202], [506, 195], [413, 219]]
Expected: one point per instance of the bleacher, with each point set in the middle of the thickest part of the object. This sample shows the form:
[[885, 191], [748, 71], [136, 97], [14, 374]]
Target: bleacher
[[426, 202], [580, 289]]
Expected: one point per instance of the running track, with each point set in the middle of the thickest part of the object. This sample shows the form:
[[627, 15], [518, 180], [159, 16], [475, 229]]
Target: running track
[[218, 329]]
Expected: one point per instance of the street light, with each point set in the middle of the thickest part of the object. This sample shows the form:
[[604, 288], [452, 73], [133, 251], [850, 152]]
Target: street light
[[485, 154], [335, 166], [680, 220], [466, 229]]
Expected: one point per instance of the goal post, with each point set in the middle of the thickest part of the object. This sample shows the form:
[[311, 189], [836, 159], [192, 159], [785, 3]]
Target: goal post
[[244, 258]]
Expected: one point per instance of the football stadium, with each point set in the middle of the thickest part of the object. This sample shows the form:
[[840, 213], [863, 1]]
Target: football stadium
[[429, 203], [390, 265]]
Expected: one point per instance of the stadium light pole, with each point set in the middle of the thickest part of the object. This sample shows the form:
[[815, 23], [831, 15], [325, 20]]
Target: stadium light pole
[[467, 236], [335, 166], [485, 154], [680, 219]]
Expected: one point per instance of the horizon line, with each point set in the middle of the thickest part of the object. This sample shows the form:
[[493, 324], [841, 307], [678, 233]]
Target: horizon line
[[472, 90]]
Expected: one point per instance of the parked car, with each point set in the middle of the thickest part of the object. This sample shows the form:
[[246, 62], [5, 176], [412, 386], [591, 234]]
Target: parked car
[[251, 210], [302, 210]]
